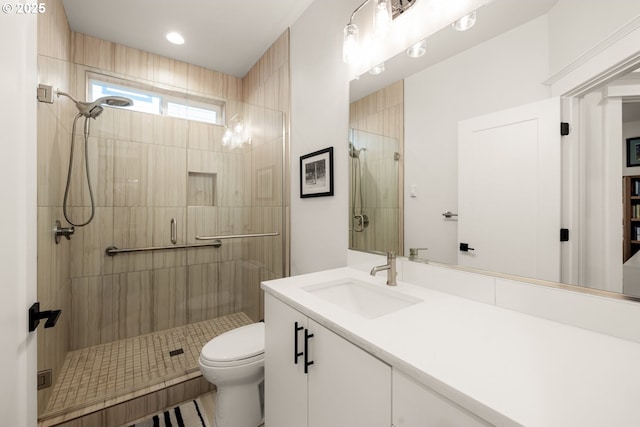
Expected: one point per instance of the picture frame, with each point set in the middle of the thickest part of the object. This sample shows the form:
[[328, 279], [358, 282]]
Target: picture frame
[[316, 173], [633, 151]]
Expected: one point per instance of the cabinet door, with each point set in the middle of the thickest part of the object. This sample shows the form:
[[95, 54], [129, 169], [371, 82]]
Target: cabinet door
[[347, 386], [415, 405], [285, 382]]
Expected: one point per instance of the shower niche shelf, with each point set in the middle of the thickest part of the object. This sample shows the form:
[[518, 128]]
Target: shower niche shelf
[[201, 188]]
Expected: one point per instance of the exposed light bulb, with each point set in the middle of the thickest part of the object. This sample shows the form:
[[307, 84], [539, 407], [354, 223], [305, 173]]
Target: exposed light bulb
[[418, 49], [227, 137], [350, 44], [378, 69], [236, 134], [466, 22], [382, 17]]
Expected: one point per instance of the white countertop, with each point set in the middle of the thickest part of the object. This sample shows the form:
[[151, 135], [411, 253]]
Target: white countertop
[[507, 367]]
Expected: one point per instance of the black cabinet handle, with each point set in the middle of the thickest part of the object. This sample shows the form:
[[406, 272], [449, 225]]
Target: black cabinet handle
[[307, 362], [296, 354]]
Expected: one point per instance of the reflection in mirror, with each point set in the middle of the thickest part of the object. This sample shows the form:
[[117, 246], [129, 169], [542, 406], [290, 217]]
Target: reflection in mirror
[[376, 171], [373, 202], [495, 74]]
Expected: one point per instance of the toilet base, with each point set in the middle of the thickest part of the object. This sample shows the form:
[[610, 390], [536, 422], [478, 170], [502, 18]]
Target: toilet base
[[239, 406]]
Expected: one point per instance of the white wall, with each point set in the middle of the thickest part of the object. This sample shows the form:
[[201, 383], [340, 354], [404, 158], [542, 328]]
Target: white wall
[[575, 26], [320, 119], [18, 216], [504, 72]]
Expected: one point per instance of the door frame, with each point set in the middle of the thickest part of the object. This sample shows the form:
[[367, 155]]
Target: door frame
[[607, 61], [18, 186]]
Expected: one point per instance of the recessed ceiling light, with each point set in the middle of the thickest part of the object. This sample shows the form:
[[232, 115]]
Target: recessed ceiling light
[[466, 22], [378, 69], [175, 38], [418, 49]]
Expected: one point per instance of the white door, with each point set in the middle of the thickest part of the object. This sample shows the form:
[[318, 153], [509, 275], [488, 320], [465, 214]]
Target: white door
[[509, 191], [18, 216]]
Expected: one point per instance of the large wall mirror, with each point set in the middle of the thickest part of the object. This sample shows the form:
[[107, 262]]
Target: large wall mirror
[[406, 126]]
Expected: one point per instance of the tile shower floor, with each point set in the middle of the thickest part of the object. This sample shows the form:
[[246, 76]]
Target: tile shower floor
[[120, 370]]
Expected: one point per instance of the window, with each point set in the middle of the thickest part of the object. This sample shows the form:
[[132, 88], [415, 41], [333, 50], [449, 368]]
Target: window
[[148, 100]]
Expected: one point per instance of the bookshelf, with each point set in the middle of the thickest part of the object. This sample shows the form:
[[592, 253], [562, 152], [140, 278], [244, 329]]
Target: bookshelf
[[631, 216]]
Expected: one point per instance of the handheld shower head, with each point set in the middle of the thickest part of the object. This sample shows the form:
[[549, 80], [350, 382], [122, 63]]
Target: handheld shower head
[[355, 152], [94, 109]]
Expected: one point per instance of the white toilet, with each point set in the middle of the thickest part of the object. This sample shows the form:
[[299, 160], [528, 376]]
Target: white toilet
[[234, 362]]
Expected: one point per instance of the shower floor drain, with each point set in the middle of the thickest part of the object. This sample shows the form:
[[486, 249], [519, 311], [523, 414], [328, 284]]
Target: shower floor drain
[[176, 352]]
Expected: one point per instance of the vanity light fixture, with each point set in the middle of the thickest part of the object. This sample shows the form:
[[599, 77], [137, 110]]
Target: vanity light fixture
[[466, 22], [385, 11], [175, 38], [381, 17], [416, 50], [378, 69]]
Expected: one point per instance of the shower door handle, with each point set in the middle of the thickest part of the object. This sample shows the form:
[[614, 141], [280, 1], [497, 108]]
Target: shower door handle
[[296, 353]]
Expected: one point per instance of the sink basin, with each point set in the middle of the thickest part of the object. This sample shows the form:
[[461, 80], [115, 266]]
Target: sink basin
[[361, 298]]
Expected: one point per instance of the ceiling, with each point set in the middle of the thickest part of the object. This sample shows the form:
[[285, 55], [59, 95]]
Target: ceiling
[[223, 35], [230, 36]]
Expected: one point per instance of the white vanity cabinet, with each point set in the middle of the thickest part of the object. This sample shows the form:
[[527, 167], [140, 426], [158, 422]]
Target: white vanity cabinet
[[415, 405], [343, 385]]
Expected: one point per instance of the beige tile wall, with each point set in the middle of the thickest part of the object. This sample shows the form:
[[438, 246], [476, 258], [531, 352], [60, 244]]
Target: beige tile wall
[[382, 113], [139, 165]]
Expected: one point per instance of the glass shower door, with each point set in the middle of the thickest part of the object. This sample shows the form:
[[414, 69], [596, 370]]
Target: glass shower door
[[374, 192]]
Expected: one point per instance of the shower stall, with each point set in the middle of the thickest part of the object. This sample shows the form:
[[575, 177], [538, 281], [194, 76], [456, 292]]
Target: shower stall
[[374, 204], [170, 243]]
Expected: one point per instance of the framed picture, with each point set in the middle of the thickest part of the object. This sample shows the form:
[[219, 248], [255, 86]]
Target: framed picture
[[633, 151], [316, 173]]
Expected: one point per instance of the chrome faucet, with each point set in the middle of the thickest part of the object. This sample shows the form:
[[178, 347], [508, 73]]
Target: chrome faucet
[[390, 266]]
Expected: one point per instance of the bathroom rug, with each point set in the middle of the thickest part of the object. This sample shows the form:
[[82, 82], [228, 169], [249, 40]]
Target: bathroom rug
[[189, 414]]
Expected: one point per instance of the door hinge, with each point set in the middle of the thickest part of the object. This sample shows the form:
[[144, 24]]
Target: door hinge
[[564, 234], [44, 379], [45, 94], [564, 128]]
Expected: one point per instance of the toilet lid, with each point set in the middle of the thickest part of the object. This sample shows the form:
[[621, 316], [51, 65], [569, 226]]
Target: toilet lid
[[240, 343]]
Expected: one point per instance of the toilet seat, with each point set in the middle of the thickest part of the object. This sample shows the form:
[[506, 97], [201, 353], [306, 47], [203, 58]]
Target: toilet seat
[[238, 346]]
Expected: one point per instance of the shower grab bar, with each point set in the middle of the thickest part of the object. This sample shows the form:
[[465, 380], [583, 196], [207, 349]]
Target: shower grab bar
[[237, 236], [114, 250]]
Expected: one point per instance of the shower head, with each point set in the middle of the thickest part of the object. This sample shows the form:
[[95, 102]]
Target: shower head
[[355, 152], [94, 109]]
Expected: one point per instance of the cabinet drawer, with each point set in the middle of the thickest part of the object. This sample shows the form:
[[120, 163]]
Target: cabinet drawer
[[415, 405]]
